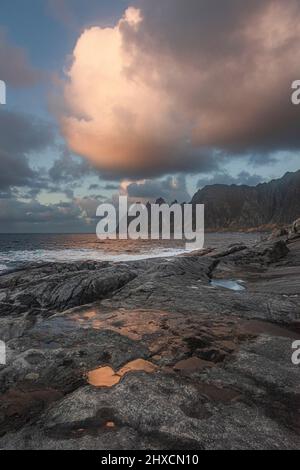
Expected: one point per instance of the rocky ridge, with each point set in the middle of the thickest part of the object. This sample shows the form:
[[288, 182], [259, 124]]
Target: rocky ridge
[[275, 203]]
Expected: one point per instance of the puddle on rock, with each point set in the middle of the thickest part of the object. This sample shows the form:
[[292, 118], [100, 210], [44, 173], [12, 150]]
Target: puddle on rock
[[106, 377], [134, 323], [137, 365], [103, 377], [110, 425], [228, 284]]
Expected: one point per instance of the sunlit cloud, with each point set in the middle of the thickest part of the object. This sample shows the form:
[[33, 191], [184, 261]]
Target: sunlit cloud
[[173, 89]]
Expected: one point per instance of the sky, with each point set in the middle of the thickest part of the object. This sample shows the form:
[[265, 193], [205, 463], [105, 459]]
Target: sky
[[144, 98]]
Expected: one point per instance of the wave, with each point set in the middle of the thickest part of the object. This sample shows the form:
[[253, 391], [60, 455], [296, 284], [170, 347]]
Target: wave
[[13, 259]]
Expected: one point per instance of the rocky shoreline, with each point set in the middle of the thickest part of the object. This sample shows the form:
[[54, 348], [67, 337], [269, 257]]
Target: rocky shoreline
[[192, 365]]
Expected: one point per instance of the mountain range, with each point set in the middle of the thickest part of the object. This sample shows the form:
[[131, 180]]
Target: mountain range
[[244, 207], [241, 207]]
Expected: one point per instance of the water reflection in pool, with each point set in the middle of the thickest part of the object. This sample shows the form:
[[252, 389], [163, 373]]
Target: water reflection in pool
[[106, 377], [228, 284], [134, 324]]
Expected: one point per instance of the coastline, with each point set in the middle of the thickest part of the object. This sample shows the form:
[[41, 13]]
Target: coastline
[[19, 250], [220, 359]]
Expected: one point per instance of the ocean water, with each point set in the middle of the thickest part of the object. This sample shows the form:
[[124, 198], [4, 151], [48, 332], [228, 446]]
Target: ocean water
[[17, 250]]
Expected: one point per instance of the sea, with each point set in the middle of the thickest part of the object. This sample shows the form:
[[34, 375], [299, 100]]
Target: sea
[[19, 250]]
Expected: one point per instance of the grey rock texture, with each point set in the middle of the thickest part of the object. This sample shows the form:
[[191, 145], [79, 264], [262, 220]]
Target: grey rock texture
[[61, 285], [296, 226], [224, 377]]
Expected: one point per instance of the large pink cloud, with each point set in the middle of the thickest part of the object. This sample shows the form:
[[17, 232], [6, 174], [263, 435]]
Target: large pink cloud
[[172, 84]]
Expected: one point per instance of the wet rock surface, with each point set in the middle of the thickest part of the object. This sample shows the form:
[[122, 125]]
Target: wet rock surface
[[219, 373]]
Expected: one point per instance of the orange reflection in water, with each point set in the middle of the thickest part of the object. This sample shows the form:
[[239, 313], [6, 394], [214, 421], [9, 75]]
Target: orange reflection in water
[[137, 365], [110, 424], [103, 377], [106, 377], [132, 323]]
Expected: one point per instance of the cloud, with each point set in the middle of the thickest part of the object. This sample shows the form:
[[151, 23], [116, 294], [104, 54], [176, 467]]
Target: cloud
[[223, 177], [13, 210], [173, 86], [111, 187], [228, 65], [170, 189], [124, 127], [74, 216], [15, 68], [68, 168], [21, 134], [14, 171], [32, 216], [95, 186], [89, 205]]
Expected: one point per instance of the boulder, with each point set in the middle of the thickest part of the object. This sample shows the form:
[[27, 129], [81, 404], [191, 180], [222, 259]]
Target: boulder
[[278, 233], [296, 226]]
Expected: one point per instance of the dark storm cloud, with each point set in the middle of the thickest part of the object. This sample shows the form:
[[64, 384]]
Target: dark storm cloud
[[20, 135], [181, 28], [15, 68], [170, 189], [228, 65], [94, 187], [111, 187], [15, 171], [13, 210], [68, 168], [6, 194], [77, 215], [32, 216], [178, 81], [89, 205], [155, 161], [243, 178]]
